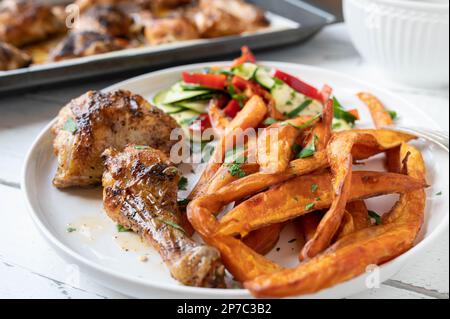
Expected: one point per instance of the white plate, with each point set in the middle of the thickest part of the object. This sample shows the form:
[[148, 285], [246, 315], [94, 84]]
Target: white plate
[[102, 253]]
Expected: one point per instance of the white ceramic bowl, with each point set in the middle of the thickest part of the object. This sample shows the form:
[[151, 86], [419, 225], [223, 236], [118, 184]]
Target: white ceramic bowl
[[407, 40]]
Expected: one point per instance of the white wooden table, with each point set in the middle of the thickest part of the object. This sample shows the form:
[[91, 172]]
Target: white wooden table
[[29, 268]]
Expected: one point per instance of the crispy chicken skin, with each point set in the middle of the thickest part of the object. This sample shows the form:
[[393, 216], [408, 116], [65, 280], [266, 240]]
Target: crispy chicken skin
[[95, 121], [86, 43], [12, 58], [105, 19], [140, 193], [170, 29], [27, 21], [215, 18]]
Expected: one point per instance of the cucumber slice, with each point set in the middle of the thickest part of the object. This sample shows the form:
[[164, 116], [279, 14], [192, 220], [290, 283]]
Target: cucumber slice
[[185, 118], [263, 77], [170, 109], [287, 99], [196, 106], [246, 70], [176, 94], [194, 87]]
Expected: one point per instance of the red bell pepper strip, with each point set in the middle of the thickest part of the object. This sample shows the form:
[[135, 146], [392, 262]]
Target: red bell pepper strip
[[214, 81], [232, 109], [247, 56], [299, 86], [201, 123]]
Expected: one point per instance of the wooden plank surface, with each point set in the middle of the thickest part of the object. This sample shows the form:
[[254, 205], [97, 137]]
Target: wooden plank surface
[[30, 268]]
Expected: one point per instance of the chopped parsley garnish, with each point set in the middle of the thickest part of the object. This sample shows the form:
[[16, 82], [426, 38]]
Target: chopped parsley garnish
[[310, 149], [240, 98], [341, 114], [172, 224], [182, 184], [270, 121], [310, 206], [71, 229], [70, 126], [375, 217], [292, 240], [393, 115], [439, 194], [122, 229], [236, 170], [184, 202], [295, 112], [314, 188], [141, 147]]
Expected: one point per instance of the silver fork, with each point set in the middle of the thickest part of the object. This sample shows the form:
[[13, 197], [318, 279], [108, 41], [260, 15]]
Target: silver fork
[[440, 138]]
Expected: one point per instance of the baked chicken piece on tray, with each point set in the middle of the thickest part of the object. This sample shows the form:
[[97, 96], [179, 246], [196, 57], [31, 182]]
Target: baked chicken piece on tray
[[216, 18], [86, 43], [95, 121], [140, 193], [12, 58], [27, 21], [105, 19]]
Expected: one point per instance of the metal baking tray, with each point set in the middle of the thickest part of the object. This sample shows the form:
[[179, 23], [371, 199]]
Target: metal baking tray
[[292, 21]]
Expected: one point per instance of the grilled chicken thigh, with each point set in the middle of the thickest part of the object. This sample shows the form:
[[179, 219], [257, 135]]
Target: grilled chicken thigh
[[86, 43], [90, 124], [140, 193], [27, 21], [12, 58], [105, 19]]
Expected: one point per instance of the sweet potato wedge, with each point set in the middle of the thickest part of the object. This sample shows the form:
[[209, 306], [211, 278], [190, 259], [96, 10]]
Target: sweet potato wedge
[[380, 115], [360, 215], [294, 198]]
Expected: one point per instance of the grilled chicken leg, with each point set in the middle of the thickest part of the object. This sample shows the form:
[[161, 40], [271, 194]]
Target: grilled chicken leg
[[140, 193], [90, 124]]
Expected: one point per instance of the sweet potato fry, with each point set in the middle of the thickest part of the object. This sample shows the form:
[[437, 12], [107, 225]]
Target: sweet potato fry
[[223, 176], [341, 162], [350, 256], [263, 240], [372, 142], [411, 163], [295, 198], [275, 144], [380, 115], [240, 260], [250, 116]]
